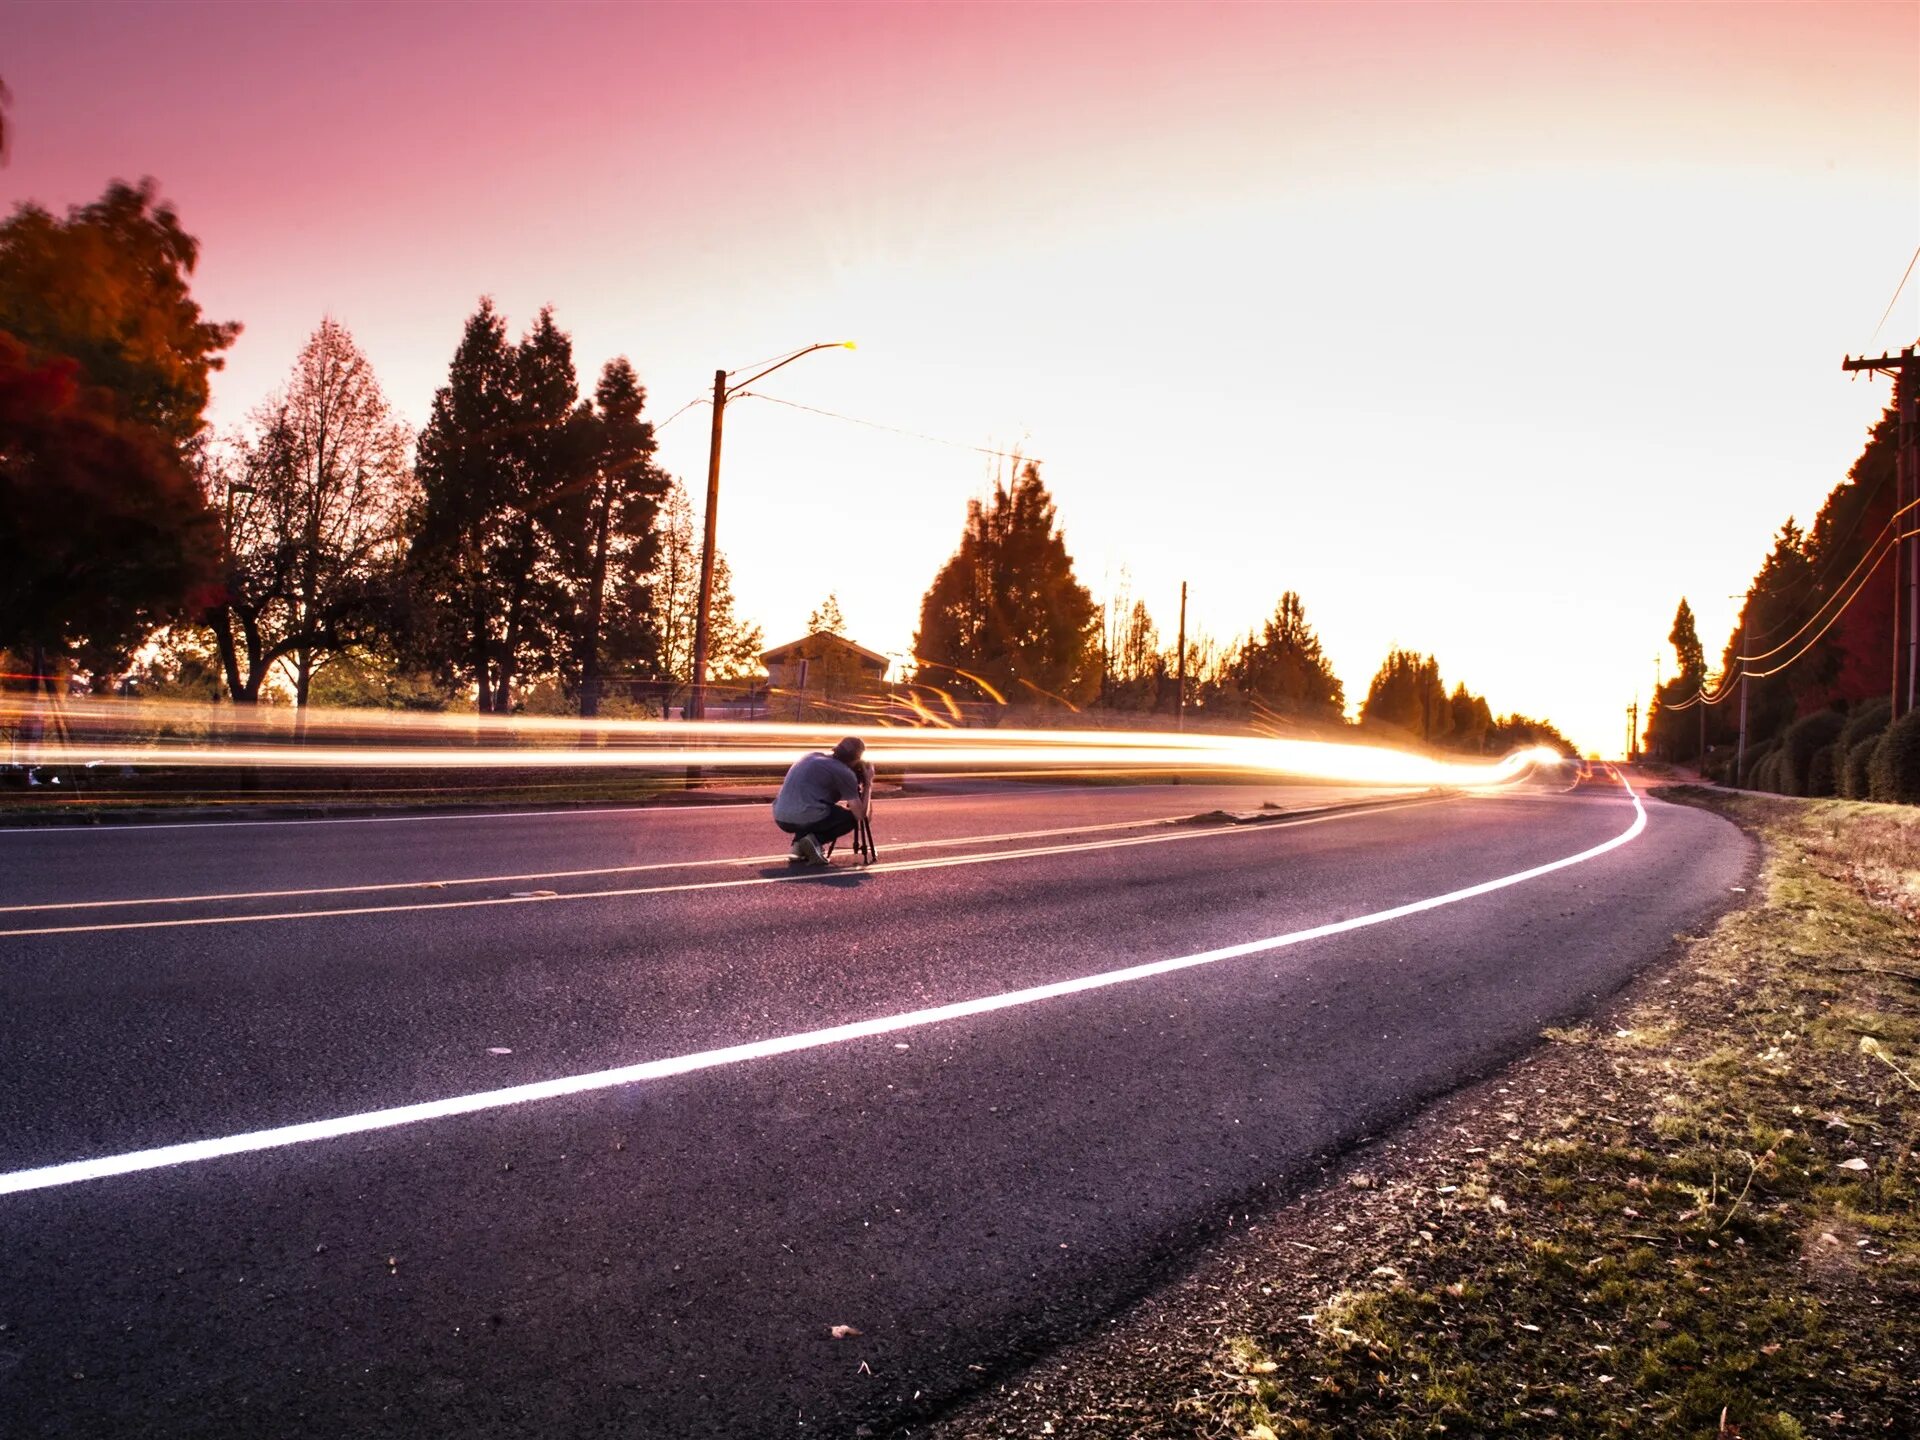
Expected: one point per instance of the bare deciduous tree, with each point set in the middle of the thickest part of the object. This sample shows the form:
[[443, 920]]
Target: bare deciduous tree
[[315, 499]]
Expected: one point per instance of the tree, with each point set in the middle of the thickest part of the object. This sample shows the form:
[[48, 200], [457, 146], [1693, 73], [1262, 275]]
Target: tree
[[1471, 720], [1407, 693], [315, 542], [617, 524], [1007, 606], [1687, 650], [467, 493], [107, 287], [672, 594], [1781, 596], [1284, 668], [1133, 669], [1674, 734], [827, 618], [105, 535], [503, 456]]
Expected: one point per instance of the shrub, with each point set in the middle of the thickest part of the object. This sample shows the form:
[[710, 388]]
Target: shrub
[[1894, 772], [1751, 759], [1821, 771], [1864, 722], [1803, 737], [1769, 774], [1854, 783]]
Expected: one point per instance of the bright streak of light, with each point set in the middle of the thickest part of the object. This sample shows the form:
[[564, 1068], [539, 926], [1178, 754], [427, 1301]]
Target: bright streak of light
[[142, 734]]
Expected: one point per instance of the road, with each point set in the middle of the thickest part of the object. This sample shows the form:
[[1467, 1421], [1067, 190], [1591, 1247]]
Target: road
[[1059, 1089]]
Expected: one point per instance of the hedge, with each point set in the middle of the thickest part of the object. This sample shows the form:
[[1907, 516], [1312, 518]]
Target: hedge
[[1854, 781], [1864, 722], [1751, 760], [1803, 738], [1821, 776], [1894, 773]]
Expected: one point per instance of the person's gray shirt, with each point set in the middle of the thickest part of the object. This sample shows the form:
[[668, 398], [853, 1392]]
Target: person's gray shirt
[[812, 786]]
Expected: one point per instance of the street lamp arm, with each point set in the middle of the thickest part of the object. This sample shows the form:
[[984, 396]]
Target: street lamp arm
[[696, 705], [761, 374]]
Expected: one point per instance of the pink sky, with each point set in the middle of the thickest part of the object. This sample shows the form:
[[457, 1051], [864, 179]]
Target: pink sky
[[1492, 330]]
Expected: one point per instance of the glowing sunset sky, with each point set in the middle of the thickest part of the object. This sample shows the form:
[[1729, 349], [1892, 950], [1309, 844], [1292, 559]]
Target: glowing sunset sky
[[1490, 329]]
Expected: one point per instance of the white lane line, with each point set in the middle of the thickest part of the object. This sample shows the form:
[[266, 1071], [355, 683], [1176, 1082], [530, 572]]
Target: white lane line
[[73, 1172], [734, 862], [791, 878]]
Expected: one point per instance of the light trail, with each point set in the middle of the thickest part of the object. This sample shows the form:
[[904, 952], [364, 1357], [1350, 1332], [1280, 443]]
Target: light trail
[[141, 735]]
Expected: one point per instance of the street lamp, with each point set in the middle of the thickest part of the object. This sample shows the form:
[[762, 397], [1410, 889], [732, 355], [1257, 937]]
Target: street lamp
[[697, 698]]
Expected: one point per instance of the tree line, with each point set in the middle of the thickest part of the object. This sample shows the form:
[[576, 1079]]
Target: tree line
[[523, 550], [1816, 626], [320, 550], [1007, 619]]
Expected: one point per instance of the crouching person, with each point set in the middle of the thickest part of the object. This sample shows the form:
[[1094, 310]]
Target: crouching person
[[822, 798]]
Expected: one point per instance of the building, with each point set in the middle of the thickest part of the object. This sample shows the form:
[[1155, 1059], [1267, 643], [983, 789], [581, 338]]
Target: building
[[821, 666]]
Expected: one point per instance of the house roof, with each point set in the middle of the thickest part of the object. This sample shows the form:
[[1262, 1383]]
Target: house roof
[[781, 652]]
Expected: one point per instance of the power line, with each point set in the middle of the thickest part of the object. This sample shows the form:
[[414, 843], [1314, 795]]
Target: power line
[[1870, 554], [890, 429], [1832, 552], [697, 400], [1896, 296], [1725, 687]]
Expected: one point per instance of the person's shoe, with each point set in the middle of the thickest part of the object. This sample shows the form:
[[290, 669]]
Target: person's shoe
[[810, 850], [795, 852]]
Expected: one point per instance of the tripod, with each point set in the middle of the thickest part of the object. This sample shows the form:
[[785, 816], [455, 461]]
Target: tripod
[[863, 829]]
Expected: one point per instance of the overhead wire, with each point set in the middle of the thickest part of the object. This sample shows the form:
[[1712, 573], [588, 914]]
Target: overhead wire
[[890, 429], [1871, 553], [1744, 671], [1896, 296], [1835, 549]]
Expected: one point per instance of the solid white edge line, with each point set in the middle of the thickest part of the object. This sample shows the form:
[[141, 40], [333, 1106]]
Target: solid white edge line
[[73, 1172]]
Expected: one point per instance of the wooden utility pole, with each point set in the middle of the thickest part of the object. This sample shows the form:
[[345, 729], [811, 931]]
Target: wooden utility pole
[[1905, 369], [696, 706], [1633, 728], [1180, 684]]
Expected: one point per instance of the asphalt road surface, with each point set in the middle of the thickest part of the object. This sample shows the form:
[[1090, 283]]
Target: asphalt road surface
[[1020, 1140]]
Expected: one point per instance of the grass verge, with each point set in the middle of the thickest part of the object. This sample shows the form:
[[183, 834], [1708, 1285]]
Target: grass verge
[[1696, 1216], [1732, 1248]]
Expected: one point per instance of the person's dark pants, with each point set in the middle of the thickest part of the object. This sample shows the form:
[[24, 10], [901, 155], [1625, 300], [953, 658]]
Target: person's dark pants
[[839, 821]]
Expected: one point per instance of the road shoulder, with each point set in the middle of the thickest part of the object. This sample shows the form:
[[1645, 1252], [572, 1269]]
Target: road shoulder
[[1700, 1200]]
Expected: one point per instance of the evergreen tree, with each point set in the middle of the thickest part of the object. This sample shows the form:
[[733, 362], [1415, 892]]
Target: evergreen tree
[[1407, 693], [1471, 720], [1780, 598], [1675, 734], [664, 605], [469, 532], [1687, 650], [1284, 669], [1007, 606], [827, 618], [617, 525]]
